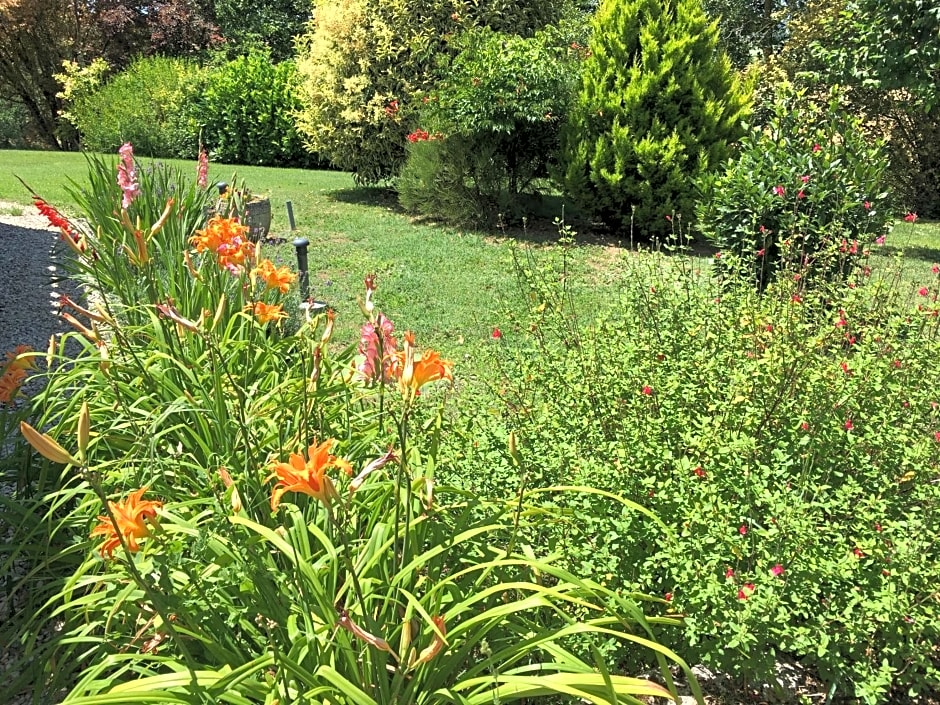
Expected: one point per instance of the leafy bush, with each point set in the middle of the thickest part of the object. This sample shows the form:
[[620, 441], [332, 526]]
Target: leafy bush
[[659, 105], [809, 186], [489, 129], [146, 104], [245, 110], [248, 515], [366, 64], [791, 442]]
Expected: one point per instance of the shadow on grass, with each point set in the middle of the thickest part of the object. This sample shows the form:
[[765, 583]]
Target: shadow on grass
[[545, 214], [926, 254]]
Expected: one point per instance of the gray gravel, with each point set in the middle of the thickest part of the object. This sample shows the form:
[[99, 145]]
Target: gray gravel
[[30, 267], [30, 263]]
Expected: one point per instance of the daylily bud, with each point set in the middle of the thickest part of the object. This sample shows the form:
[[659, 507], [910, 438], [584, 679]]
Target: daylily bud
[[105, 363], [50, 351], [84, 429], [46, 446], [158, 226], [440, 634], [219, 310]]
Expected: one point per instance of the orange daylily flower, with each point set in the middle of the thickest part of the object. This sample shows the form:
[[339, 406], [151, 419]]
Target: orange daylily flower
[[267, 312], [413, 373], [10, 382], [228, 239], [308, 476], [131, 515], [279, 278]]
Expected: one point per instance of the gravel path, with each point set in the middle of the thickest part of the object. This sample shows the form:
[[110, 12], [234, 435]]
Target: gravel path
[[30, 265]]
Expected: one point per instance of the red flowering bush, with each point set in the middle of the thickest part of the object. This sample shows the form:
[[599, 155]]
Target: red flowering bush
[[808, 190], [788, 440]]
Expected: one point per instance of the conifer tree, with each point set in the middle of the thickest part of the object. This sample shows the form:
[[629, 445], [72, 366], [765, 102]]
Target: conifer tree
[[659, 104]]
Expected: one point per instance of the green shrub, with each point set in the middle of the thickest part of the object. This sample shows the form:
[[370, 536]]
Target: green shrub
[[13, 118], [366, 64], [245, 110], [808, 188], [490, 129], [146, 104], [790, 441], [659, 105]]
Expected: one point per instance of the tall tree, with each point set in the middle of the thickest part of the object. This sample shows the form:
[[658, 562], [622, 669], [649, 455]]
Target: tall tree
[[36, 36], [659, 105], [269, 24]]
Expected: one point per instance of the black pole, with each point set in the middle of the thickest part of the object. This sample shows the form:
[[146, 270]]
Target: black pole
[[290, 215], [300, 244]]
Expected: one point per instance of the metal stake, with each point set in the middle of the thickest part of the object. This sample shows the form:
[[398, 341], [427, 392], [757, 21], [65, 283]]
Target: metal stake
[[290, 215], [300, 244]]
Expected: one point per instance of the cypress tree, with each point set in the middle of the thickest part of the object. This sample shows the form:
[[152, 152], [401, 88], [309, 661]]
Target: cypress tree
[[659, 105]]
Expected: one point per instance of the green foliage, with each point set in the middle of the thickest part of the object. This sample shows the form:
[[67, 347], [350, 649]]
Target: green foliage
[[658, 106], [885, 46], [366, 64], [789, 441], [808, 185], [490, 129], [13, 120], [257, 570], [146, 104], [248, 25], [245, 110]]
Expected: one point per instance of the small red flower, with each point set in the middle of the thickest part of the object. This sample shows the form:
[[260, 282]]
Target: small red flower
[[848, 425], [923, 291], [729, 573], [817, 148], [668, 597], [496, 334], [699, 472], [742, 529], [935, 269], [647, 390], [805, 426], [777, 570], [805, 178], [911, 217], [859, 553], [800, 194], [779, 190], [896, 363], [867, 205], [796, 299], [761, 252], [846, 369], [746, 591]]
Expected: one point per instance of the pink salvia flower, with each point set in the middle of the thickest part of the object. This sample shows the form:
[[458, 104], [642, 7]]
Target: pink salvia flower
[[777, 570], [779, 190], [127, 175], [202, 170]]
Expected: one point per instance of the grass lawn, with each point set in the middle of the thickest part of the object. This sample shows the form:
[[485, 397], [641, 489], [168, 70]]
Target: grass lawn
[[442, 282]]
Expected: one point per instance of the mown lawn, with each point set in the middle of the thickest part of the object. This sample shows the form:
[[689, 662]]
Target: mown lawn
[[445, 282]]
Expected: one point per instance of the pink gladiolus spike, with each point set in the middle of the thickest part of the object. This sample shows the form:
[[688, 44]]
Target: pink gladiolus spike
[[127, 175]]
